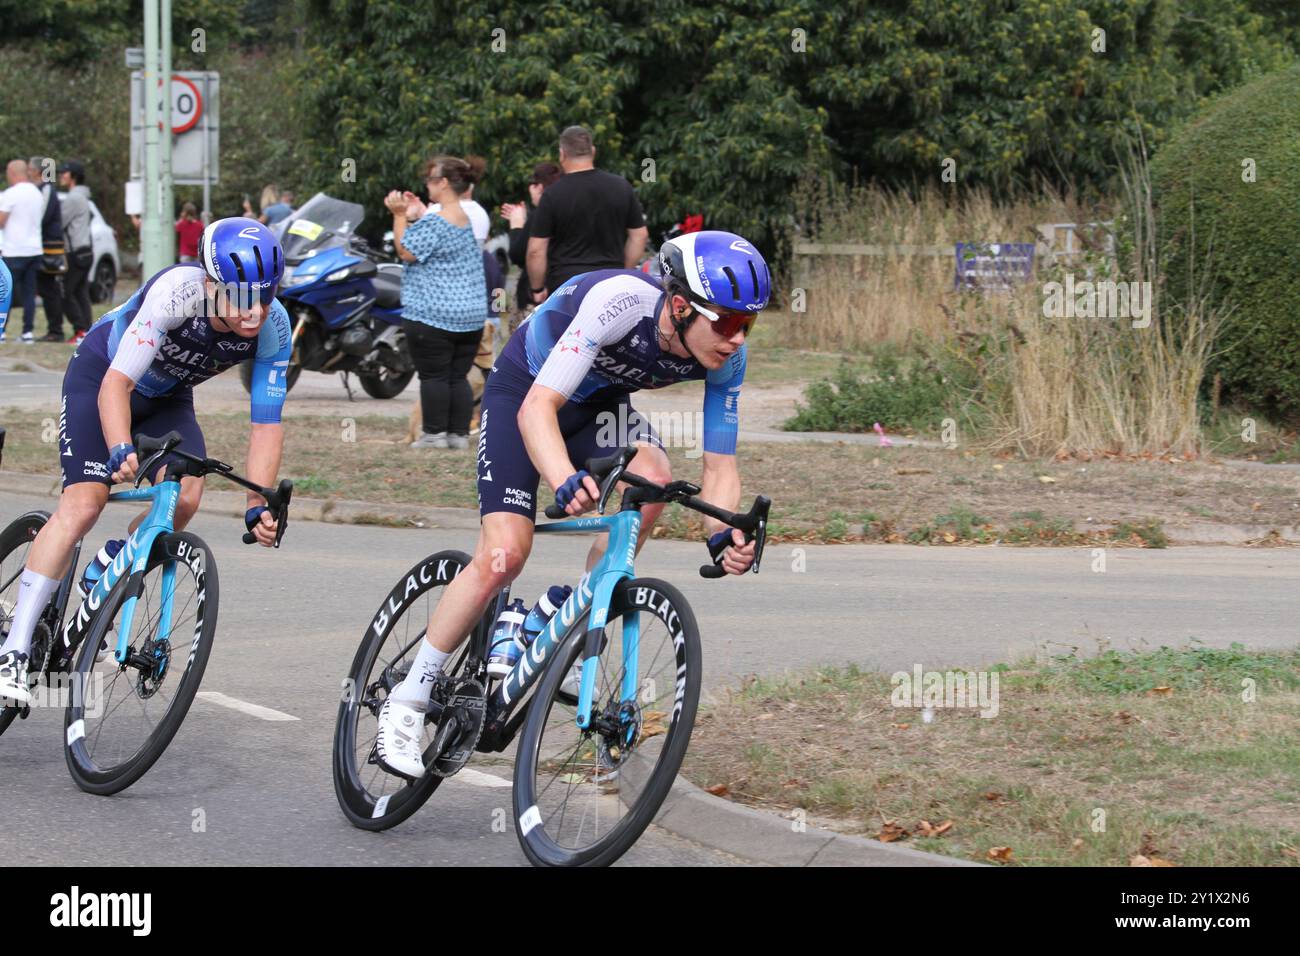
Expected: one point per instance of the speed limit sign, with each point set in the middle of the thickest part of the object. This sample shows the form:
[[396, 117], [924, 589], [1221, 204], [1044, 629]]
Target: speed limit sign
[[187, 104]]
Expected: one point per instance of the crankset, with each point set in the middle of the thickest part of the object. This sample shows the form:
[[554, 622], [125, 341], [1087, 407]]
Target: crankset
[[459, 726]]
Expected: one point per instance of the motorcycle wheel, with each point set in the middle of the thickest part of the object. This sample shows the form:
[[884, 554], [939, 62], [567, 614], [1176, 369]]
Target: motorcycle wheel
[[385, 381]]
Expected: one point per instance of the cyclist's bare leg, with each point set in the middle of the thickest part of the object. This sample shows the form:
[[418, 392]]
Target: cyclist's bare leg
[[503, 546], [79, 508], [651, 462]]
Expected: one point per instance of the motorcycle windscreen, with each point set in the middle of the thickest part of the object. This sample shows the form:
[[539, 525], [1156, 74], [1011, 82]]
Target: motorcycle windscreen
[[320, 223]]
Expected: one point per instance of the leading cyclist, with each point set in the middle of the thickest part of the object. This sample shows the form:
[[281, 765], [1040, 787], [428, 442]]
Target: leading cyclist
[[134, 373], [565, 374]]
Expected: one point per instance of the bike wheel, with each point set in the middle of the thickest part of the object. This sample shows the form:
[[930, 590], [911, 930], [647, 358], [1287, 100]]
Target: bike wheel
[[583, 797], [15, 542], [371, 798], [120, 718]]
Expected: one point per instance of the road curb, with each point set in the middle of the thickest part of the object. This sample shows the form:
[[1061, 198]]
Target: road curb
[[349, 511], [763, 837], [330, 510]]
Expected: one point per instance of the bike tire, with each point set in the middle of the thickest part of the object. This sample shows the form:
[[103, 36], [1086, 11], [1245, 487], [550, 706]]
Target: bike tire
[[18, 534], [363, 807], [638, 595], [187, 551]]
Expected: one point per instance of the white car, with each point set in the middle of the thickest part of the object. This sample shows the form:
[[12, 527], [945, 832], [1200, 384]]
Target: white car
[[107, 267]]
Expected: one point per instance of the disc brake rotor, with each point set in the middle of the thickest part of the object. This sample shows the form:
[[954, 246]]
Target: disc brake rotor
[[613, 749], [151, 679]]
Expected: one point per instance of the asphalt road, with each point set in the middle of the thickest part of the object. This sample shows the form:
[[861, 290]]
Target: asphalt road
[[290, 622]]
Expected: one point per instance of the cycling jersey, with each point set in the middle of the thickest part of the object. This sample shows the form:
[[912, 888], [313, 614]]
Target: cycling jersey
[[162, 339], [596, 338], [6, 294]]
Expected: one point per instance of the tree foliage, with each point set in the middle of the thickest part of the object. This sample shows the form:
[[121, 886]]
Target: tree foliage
[[1228, 189], [736, 101]]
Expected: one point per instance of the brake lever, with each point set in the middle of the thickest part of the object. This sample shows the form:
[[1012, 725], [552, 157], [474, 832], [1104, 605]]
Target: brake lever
[[146, 469], [607, 488], [278, 503], [753, 525]]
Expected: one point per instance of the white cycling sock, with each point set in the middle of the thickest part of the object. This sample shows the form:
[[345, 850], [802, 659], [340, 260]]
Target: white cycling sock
[[34, 593], [415, 689]]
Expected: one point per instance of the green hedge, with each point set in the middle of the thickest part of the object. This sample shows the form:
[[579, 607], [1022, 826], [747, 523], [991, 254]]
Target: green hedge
[[1241, 237]]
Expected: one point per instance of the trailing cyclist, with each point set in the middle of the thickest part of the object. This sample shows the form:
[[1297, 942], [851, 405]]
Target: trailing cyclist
[[564, 376], [134, 373]]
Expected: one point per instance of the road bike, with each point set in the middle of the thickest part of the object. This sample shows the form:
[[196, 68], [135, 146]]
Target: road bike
[[605, 695], [126, 661]]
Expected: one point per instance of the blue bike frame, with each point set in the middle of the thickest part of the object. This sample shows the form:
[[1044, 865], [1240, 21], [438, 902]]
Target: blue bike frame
[[597, 593], [135, 555]]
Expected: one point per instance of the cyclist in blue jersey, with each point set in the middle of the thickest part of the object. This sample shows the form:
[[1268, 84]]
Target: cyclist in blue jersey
[[134, 373], [565, 375], [6, 296]]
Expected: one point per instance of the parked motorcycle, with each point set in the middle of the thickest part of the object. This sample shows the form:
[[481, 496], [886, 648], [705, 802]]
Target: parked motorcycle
[[343, 299]]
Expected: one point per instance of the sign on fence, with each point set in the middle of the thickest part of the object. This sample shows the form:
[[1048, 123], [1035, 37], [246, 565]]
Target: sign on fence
[[996, 267]]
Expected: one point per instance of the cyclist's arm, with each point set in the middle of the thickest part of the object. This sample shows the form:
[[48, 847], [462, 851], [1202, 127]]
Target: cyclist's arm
[[539, 425], [172, 299], [266, 399], [720, 482], [265, 445], [719, 486], [6, 293], [115, 408]]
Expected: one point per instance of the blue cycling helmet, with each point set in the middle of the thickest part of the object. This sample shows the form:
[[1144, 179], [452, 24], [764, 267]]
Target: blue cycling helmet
[[241, 252], [715, 268]]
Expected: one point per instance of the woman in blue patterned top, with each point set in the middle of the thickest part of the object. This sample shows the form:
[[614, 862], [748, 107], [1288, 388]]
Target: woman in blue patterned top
[[443, 289]]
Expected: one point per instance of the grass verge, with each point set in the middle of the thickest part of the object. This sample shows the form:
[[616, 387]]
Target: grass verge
[[1171, 757], [820, 492]]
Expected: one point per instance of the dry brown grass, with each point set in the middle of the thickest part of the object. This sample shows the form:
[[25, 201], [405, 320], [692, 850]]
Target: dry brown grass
[[857, 302], [1192, 777]]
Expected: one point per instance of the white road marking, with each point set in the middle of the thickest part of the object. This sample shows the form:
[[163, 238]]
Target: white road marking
[[478, 778], [243, 706]]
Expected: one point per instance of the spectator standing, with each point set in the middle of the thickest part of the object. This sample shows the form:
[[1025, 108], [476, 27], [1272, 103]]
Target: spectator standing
[[588, 219], [75, 206], [189, 228], [520, 220], [442, 297], [54, 261], [281, 209], [21, 208], [270, 196], [479, 220]]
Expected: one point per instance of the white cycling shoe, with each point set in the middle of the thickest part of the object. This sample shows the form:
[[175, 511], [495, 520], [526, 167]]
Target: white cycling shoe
[[397, 746], [13, 680]]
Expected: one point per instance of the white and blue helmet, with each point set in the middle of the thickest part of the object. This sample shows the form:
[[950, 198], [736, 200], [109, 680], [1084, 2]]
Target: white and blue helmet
[[239, 252], [716, 268]]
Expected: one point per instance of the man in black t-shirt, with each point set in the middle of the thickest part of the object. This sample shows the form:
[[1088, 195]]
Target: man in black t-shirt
[[587, 220]]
